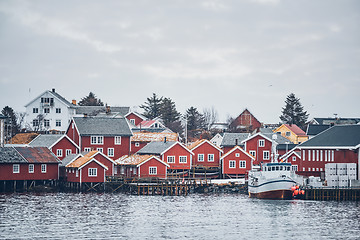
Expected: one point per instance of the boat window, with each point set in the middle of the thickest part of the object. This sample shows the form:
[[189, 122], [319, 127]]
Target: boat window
[[269, 168], [273, 168], [281, 168], [288, 168], [265, 169], [277, 168]]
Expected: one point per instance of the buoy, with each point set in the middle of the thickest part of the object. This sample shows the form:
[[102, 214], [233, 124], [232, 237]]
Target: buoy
[[293, 188], [297, 186], [296, 192], [302, 192]]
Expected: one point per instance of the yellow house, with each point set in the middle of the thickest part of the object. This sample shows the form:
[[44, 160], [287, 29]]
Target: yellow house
[[292, 132]]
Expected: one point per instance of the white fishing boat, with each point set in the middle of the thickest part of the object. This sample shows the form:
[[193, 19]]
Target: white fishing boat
[[273, 181]]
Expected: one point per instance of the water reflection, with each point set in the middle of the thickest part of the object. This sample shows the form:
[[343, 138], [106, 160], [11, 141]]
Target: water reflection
[[197, 216]]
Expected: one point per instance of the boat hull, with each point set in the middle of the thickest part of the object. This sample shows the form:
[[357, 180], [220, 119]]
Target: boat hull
[[279, 188], [275, 194]]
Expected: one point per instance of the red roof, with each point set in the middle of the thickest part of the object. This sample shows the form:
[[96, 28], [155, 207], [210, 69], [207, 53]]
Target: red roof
[[37, 154], [295, 129], [146, 123]]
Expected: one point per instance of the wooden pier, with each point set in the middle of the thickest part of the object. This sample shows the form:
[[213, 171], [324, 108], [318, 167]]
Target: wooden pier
[[332, 194]]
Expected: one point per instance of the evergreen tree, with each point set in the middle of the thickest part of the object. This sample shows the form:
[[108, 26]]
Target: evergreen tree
[[169, 114], [195, 120], [152, 108], [91, 100], [293, 112], [11, 125]]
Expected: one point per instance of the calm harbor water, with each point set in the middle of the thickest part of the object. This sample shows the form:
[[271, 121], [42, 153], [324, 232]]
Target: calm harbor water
[[197, 216]]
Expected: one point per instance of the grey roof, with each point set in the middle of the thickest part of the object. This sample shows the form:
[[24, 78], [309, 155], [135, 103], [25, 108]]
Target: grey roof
[[155, 147], [337, 136], [66, 160], [229, 139], [286, 146], [315, 129], [342, 121], [88, 126], [10, 155], [95, 110], [45, 140], [62, 98]]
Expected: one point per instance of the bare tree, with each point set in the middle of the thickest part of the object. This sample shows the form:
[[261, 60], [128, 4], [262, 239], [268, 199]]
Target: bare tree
[[210, 116]]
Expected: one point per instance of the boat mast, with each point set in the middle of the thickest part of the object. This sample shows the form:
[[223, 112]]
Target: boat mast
[[274, 155]]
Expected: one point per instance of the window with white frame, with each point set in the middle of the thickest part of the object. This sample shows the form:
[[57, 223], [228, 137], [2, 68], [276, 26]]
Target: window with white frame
[[288, 134], [137, 144], [31, 168], [253, 153], [87, 149], [294, 158], [200, 157], [182, 159], [92, 172], [309, 155], [309, 169], [16, 168], [59, 152], [97, 140], [303, 169], [232, 164], [46, 123], [58, 123], [117, 140], [170, 159], [238, 154], [313, 155], [35, 123], [132, 121], [317, 155], [211, 157], [35, 110], [303, 156], [76, 173], [242, 164], [266, 155], [58, 110], [326, 155], [99, 149], [43, 168], [321, 155], [261, 142], [135, 169], [110, 152], [294, 168], [68, 152], [152, 170], [332, 155], [46, 110]]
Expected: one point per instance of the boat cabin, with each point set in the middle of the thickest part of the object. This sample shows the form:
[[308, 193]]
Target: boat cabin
[[270, 167]]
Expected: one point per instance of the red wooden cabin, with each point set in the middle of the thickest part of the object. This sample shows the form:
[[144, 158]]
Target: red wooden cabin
[[236, 163], [206, 154], [260, 147], [135, 118], [141, 139]]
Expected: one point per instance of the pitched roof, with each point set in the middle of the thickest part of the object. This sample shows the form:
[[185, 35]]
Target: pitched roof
[[155, 147], [153, 136], [10, 155], [88, 126], [37, 154], [295, 129], [95, 110], [315, 129], [346, 136], [229, 139], [237, 148], [69, 158], [23, 138], [55, 94], [200, 142], [132, 159], [45, 140], [82, 161], [148, 123], [342, 121]]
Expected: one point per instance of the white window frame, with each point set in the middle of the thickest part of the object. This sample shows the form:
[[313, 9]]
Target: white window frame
[[16, 168], [170, 159], [111, 152], [35, 110], [76, 173], [294, 158], [182, 159], [232, 164], [68, 152], [238, 154], [92, 172], [87, 149], [137, 144], [31, 168], [117, 140], [253, 153], [309, 153], [43, 168], [58, 123], [211, 157], [294, 168], [58, 110], [97, 140], [46, 110], [266, 155], [242, 164], [201, 157], [326, 154], [46, 123], [152, 170], [59, 152], [303, 157], [261, 143], [100, 150], [132, 121], [287, 134]]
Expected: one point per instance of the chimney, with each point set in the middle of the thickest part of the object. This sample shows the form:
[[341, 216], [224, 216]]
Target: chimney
[[53, 90], [236, 141], [73, 101], [164, 139], [85, 115]]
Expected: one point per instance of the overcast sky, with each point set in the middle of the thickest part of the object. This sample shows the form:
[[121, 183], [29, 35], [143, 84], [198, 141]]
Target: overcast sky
[[228, 54]]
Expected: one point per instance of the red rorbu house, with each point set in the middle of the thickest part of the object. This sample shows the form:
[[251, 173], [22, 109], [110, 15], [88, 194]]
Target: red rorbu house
[[28, 163], [110, 136], [338, 144], [259, 146], [86, 169], [135, 118], [142, 166], [294, 158], [236, 163], [245, 122], [60, 145], [206, 158], [175, 154], [141, 139]]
